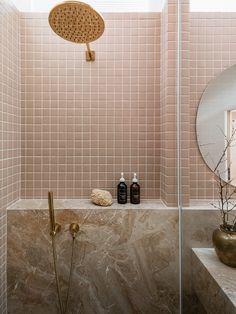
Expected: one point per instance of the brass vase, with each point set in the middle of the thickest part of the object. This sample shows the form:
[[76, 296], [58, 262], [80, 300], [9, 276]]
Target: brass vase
[[225, 245]]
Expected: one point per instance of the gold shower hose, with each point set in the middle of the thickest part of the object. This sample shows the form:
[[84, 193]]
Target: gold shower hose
[[71, 273], [56, 273], [55, 228], [57, 277]]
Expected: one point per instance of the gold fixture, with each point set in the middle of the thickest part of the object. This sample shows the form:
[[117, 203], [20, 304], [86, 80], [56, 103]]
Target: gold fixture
[[89, 54], [55, 227], [77, 22], [74, 229]]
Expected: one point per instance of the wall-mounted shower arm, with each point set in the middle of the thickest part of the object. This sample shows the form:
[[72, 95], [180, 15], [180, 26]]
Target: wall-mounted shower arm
[[90, 54]]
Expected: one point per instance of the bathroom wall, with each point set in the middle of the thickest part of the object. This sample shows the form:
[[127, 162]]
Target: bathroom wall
[[126, 260], [9, 128], [168, 103], [198, 225], [169, 114], [83, 123], [184, 125], [212, 49]]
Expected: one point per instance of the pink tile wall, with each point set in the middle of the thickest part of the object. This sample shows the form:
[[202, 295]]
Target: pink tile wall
[[168, 103], [185, 100], [83, 123], [9, 127], [212, 49]]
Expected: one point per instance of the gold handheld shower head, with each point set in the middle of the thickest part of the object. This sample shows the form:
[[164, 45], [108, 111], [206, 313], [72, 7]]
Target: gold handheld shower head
[[55, 227], [77, 22]]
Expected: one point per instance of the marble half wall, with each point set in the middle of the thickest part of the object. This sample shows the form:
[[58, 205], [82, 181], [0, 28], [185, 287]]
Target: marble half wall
[[198, 226], [126, 261]]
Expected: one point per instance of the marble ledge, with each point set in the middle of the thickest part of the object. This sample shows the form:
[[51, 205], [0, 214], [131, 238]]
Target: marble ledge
[[85, 204], [214, 282], [202, 204], [152, 204]]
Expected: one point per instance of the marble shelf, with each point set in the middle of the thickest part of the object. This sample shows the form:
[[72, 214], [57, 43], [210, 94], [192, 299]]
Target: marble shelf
[[202, 204], [213, 282], [151, 204], [85, 204]]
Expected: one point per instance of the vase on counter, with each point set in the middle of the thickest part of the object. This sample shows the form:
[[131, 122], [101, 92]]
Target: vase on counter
[[224, 242]]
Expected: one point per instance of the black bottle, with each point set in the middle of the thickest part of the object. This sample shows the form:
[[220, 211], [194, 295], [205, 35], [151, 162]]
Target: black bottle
[[122, 190], [135, 191]]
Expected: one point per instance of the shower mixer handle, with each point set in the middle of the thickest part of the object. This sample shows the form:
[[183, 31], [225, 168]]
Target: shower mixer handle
[[74, 229]]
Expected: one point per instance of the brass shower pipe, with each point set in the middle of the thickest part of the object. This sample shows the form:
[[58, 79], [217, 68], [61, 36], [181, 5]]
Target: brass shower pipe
[[90, 54]]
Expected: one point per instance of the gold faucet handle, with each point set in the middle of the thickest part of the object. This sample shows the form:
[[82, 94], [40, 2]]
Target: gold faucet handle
[[74, 229]]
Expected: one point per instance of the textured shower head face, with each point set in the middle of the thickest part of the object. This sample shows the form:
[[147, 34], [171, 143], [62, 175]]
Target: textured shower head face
[[76, 21]]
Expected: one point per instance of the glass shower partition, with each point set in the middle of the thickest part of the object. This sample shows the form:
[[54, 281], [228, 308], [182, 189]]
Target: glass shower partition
[[207, 56]]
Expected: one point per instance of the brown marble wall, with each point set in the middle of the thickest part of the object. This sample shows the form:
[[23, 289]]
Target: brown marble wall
[[198, 226], [214, 282], [126, 261]]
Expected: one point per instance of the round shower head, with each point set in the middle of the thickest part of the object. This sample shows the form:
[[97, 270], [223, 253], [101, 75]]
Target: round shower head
[[76, 21]]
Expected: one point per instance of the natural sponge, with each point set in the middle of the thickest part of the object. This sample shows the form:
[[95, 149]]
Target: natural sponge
[[101, 197]]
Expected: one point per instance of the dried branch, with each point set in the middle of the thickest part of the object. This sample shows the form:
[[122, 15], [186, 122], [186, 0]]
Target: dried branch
[[226, 193], [228, 143]]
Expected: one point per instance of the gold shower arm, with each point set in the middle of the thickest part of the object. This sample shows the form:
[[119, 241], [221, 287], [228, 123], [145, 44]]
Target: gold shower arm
[[90, 54]]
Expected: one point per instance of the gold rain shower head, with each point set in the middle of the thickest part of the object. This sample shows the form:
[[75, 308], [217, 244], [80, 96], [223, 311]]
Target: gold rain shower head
[[77, 22]]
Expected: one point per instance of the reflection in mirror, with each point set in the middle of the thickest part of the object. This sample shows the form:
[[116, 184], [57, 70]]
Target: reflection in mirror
[[230, 120], [216, 125]]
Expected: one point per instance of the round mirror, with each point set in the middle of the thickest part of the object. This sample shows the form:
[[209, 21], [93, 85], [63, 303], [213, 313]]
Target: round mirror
[[216, 125]]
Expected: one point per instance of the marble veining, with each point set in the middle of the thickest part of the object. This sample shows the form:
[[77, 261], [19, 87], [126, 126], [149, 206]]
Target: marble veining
[[126, 261], [198, 226], [214, 282]]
